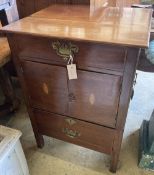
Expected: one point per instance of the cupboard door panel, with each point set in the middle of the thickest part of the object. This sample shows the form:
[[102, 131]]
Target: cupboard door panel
[[94, 97], [47, 86]]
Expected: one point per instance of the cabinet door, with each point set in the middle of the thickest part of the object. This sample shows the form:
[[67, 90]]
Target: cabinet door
[[94, 97], [47, 86]]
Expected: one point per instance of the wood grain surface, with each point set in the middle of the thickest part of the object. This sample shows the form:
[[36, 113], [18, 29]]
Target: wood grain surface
[[125, 26]]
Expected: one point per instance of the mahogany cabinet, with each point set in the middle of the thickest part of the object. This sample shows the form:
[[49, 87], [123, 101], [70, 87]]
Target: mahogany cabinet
[[91, 110]]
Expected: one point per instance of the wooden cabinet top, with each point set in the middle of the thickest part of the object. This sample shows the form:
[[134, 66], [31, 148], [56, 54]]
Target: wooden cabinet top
[[95, 23]]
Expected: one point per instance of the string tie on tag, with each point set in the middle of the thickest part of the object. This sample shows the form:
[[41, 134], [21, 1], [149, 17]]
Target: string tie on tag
[[70, 61]]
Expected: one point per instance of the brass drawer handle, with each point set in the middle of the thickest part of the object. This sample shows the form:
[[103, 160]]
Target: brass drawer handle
[[64, 49], [70, 133]]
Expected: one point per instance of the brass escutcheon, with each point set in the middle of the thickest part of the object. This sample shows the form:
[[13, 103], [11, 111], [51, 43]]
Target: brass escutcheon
[[64, 49]]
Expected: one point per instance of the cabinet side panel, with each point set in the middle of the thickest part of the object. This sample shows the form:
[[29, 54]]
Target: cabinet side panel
[[127, 85], [13, 47]]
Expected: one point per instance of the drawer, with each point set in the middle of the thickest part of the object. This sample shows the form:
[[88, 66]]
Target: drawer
[[75, 131], [90, 56], [93, 97]]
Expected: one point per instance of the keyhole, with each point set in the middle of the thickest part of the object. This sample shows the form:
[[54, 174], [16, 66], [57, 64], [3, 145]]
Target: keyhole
[[71, 97]]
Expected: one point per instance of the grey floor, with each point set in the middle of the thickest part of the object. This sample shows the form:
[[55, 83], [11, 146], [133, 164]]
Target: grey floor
[[61, 158]]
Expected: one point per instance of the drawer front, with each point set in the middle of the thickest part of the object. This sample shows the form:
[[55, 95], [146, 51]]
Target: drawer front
[[74, 131], [88, 56], [93, 97]]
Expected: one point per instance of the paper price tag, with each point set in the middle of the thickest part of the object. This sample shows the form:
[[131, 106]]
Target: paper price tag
[[72, 73]]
